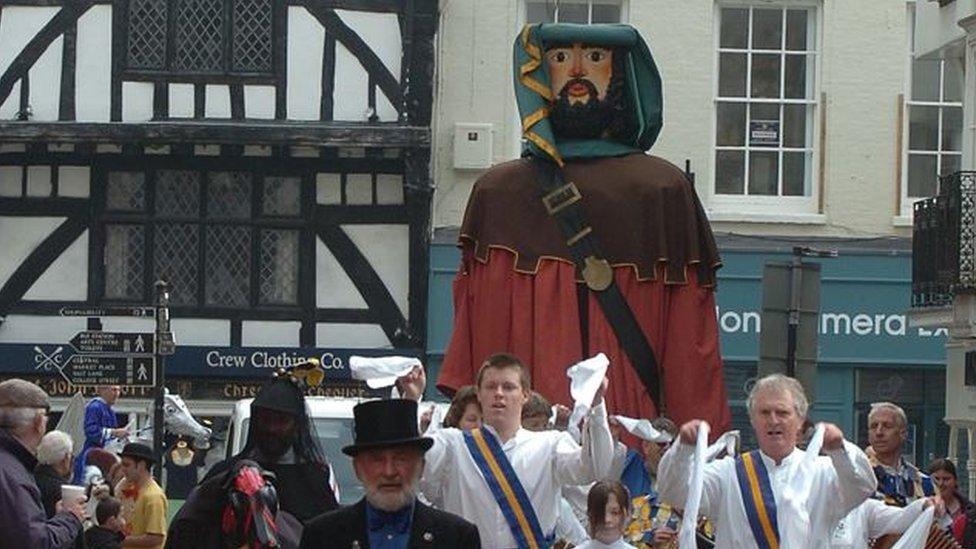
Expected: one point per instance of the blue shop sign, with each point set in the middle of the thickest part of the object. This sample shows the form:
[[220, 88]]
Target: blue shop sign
[[204, 362]]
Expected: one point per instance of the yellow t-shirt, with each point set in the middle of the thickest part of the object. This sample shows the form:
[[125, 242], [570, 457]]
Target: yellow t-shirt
[[148, 512]]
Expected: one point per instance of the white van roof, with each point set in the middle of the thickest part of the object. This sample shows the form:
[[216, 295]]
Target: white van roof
[[318, 406]]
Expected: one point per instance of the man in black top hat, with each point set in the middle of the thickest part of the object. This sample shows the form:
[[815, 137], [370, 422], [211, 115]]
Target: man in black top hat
[[280, 439], [388, 457]]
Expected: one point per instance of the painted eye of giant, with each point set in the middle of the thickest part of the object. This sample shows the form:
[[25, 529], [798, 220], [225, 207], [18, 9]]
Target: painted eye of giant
[[559, 56], [596, 55]]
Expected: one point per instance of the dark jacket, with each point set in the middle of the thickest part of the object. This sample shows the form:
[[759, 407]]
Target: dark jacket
[[97, 537], [20, 504], [49, 483], [429, 528]]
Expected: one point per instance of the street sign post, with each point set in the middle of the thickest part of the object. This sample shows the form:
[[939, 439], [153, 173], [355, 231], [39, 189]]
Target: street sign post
[[139, 312], [114, 342], [110, 370]]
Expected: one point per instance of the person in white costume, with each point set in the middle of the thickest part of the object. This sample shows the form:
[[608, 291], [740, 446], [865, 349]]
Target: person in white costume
[[873, 519], [542, 461], [607, 506], [809, 496]]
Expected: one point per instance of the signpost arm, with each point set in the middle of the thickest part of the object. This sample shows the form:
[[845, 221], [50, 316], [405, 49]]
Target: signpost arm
[[164, 339]]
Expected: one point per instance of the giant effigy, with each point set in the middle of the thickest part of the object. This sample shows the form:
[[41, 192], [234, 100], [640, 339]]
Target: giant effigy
[[587, 243]]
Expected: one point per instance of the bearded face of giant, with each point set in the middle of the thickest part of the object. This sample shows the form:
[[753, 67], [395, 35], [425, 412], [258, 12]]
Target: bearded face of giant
[[581, 77]]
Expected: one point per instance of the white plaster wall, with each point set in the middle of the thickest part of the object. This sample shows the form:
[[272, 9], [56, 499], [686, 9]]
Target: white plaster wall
[[19, 236], [93, 69], [181, 100], [862, 72], [45, 83], [217, 101], [268, 333], [259, 102], [306, 38], [67, 278], [137, 101], [351, 336], [41, 329], [382, 32], [201, 331], [333, 287], [387, 248], [18, 24]]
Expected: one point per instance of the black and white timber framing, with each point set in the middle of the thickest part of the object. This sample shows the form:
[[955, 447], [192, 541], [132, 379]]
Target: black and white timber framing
[[329, 98]]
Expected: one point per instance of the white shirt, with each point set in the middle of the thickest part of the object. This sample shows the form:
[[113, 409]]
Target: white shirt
[[544, 462], [838, 484], [873, 519], [594, 544]]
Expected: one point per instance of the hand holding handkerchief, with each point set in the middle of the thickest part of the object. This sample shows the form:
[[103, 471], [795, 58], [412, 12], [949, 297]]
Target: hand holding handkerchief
[[586, 377], [381, 371]]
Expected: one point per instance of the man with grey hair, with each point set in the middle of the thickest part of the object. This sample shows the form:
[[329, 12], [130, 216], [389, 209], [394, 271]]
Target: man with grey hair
[[773, 496], [53, 468], [899, 482], [23, 420]]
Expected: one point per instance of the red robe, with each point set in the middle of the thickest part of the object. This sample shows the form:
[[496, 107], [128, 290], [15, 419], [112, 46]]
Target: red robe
[[516, 289]]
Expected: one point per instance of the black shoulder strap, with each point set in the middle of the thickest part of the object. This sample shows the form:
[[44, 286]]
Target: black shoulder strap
[[562, 201]]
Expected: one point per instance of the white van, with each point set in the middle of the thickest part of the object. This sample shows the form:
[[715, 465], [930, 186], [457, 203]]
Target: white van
[[332, 417]]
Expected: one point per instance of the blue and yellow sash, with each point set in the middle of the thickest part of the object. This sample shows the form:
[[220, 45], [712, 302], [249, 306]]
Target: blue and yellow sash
[[757, 498], [506, 488]]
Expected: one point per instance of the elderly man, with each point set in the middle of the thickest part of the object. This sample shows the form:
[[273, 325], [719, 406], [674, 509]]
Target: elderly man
[[773, 496], [101, 425], [53, 468], [503, 477], [23, 421], [388, 457]]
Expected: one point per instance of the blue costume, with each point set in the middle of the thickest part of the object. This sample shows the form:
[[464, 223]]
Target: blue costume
[[99, 421], [635, 476]]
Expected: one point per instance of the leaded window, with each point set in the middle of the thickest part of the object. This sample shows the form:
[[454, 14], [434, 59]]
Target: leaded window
[[223, 239], [200, 36]]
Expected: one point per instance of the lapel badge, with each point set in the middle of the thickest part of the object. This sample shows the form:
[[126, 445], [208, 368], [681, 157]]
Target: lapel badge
[[428, 537]]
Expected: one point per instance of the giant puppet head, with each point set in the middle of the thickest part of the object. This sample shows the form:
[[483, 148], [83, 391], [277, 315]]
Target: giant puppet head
[[586, 91]]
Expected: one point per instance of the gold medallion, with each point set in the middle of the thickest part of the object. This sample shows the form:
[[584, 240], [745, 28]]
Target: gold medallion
[[597, 274]]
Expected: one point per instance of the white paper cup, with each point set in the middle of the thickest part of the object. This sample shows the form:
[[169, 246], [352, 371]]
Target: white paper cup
[[70, 492]]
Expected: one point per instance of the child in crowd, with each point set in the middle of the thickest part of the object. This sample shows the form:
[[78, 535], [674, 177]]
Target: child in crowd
[[607, 506], [108, 533]]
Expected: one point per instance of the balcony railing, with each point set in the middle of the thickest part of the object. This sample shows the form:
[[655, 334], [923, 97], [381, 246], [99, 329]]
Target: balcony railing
[[943, 246]]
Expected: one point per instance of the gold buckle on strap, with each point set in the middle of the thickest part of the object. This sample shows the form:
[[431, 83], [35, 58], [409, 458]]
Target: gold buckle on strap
[[561, 198]]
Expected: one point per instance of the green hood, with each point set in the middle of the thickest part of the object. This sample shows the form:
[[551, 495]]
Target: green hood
[[643, 90]]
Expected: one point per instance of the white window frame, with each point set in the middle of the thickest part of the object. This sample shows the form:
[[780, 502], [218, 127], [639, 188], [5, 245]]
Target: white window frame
[[908, 202], [624, 15], [765, 208], [522, 19]]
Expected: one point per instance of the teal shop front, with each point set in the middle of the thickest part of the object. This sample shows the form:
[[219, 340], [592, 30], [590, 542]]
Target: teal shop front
[[868, 353]]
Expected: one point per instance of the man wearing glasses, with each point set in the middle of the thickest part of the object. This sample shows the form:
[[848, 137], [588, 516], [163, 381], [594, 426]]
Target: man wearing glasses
[[24, 409]]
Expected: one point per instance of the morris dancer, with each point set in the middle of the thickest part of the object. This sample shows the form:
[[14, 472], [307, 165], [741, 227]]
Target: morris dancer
[[504, 478], [758, 499]]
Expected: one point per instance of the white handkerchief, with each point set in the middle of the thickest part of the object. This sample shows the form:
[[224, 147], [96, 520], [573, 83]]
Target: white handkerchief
[[585, 379], [696, 484], [642, 429], [917, 533], [381, 371], [727, 443]]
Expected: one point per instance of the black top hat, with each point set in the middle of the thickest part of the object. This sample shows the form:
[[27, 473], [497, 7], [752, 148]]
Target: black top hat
[[138, 451], [385, 423]]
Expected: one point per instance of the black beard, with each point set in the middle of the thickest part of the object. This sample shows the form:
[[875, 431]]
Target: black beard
[[588, 120]]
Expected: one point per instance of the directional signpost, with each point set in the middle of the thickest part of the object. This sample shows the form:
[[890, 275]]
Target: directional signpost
[[111, 370], [114, 342], [112, 358]]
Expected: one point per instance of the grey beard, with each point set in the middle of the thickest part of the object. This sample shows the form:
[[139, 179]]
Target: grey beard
[[392, 503]]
